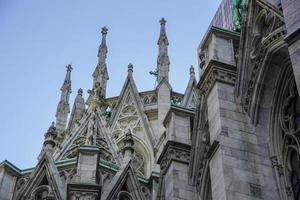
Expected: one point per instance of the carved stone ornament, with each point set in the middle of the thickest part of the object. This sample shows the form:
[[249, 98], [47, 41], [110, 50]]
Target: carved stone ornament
[[268, 30], [286, 138], [217, 71], [128, 119], [42, 192], [174, 152], [78, 195]]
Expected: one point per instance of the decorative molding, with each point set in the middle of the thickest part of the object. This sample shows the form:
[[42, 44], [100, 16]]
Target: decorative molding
[[263, 35], [83, 191], [216, 71], [285, 129], [174, 151]]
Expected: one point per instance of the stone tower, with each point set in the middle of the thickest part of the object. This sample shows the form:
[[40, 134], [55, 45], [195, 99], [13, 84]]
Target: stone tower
[[232, 135]]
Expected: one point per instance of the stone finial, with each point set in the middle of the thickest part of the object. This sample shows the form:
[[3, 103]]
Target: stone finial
[[163, 61], [80, 92], [104, 30], [63, 107], [100, 73], [68, 75], [162, 21], [128, 144], [163, 36], [130, 68], [192, 70], [69, 67], [50, 136], [102, 51]]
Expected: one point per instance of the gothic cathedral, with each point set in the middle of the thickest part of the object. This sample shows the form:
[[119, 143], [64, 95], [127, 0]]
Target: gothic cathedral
[[233, 135]]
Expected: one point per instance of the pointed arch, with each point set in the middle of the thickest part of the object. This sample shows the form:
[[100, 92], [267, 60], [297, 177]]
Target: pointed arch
[[285, 139], [44, 182]]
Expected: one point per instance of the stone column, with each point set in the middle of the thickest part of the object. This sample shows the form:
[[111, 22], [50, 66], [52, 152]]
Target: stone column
[[7, 181], [163, 104], [87, 180], [238, 165], [174, 163], [174, 158], [292, 22]]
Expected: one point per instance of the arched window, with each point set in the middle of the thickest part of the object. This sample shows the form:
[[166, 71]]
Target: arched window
[[286, 137], [124, 195]]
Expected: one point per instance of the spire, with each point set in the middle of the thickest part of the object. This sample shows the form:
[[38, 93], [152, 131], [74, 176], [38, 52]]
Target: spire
[[103, 48], [100, 74], [63, 107], [163, 61], [50, 137], [77, 110]]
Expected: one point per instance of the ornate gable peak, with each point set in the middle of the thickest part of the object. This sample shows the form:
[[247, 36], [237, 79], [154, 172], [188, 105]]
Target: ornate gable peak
[[130, 106], [124, 178], [44, 180], [190, 91], [164, 80], [92, 129]]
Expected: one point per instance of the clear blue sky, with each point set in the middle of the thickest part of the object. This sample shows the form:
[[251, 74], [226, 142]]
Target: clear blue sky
[[39, 38]]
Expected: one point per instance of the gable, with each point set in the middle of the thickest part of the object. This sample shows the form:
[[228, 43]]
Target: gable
[[192, 101], [44, 182], [190, 95], [128, 118], [124, 185], [108, 149], [129, 114]]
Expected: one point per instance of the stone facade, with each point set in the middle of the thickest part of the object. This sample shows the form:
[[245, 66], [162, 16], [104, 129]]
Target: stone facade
[[232, 135]]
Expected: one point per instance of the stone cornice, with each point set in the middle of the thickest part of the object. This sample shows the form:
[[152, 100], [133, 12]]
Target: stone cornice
[[89, 191], [174, 151], [217, 30], [216, 71], [89, 148], [178, 110]]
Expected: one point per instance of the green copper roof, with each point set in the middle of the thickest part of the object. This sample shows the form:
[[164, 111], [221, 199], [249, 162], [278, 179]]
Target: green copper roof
[[184, 109]]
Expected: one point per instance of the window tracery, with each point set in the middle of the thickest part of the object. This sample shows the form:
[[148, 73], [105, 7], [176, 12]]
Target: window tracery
[[287, 143], [290, 126]]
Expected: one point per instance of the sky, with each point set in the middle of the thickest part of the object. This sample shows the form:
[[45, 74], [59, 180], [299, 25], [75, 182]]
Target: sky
[[38, 38]]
